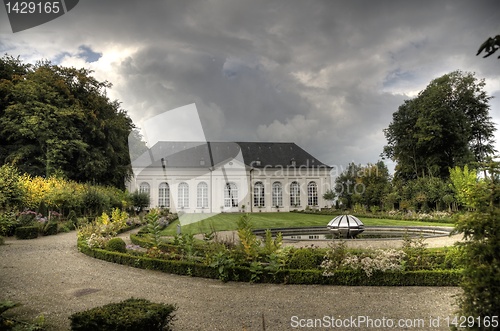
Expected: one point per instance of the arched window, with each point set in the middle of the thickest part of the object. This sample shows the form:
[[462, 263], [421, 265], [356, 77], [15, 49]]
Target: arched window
[[294, 194], [183, 195], [277, 194], [258, 195], [231, 195], [144, 188], [202, 195], [312, 194], [164, 195]]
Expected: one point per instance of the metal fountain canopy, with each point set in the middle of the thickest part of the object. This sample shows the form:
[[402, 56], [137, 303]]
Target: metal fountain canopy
[[346, 226]]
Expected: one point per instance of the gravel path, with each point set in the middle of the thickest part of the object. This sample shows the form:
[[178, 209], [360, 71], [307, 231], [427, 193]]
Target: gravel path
[[50, 277]]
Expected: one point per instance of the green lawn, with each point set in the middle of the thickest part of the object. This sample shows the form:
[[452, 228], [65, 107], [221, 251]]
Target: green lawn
[[229, 221]]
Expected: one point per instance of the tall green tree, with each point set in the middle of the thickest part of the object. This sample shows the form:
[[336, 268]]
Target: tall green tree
[[377, 182], [363, 184], [446, 125], [59, 120], [481, 248]]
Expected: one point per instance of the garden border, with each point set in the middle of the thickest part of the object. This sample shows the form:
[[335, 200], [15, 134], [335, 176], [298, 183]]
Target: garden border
[[286, 276]]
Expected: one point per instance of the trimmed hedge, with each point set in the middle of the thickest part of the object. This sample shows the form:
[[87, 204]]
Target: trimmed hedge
[[287, 276], [27, 232], [129, 315]]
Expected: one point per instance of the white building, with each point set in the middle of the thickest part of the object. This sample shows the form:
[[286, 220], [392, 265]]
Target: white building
[[211, 177]]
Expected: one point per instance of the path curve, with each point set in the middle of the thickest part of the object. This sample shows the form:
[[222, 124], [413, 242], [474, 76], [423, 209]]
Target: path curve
[[50, 277]]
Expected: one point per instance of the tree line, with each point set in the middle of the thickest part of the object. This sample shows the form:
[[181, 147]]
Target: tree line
[[446, 126], [59, 121]]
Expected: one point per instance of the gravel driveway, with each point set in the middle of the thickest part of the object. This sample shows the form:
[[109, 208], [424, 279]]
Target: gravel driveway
[[50, 277]]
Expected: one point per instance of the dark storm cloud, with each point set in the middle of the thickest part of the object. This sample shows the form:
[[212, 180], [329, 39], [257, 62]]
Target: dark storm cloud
[[325, 74]]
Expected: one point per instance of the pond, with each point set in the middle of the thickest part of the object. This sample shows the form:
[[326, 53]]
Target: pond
[[370, 233]]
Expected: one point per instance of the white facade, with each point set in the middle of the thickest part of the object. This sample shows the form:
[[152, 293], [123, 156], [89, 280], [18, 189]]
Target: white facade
[[233, 186]]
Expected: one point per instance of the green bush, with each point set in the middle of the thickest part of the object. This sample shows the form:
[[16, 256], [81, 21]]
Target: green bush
[[116, 245], [8, 224], [11, 189], [304, 259], [49, 229], [129, 315], [27, 232]]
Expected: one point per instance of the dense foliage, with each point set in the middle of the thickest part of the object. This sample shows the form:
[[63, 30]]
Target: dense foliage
[[446, 125], [131, 314], [57, 120], [480, 251]]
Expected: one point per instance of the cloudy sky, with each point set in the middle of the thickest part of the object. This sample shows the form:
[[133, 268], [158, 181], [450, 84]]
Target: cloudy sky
[[326, 75]]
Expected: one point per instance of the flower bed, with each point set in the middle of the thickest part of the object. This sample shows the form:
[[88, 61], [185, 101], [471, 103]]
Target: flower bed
[[268, 262]]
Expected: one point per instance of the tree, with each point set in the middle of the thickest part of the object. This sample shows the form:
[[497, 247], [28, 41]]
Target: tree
[[376, 181], [446, 125], [363, 184], [59, 120], [330, 196], [347, 185], [481, 247], [490, 46]]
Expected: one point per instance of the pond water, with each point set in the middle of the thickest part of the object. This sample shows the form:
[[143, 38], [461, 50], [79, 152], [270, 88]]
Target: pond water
[[370, 233]]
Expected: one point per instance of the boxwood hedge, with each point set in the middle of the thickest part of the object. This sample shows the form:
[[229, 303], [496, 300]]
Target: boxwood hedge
[[129, 315], [286, 276], [27, 232]]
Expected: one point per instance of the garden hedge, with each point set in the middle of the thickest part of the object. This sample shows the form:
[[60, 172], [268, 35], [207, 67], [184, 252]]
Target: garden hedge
[[27, 232], [129, 315], [287, 276], [49, 229]]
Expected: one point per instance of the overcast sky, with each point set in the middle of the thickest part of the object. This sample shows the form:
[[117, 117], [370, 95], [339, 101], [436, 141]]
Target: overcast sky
[[326, 75]]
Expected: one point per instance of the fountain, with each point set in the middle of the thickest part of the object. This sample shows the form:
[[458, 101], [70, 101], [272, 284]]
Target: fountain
[[346, 226]]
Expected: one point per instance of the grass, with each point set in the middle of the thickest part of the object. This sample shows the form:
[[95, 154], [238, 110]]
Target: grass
[[194, 223]]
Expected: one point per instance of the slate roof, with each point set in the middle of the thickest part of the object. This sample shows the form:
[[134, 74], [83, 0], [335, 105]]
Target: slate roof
[[210, 154]]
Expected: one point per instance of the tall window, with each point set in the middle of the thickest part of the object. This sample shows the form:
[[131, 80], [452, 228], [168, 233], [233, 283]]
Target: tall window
[[277, 194], [258, 195], [164, 195], [144, 188], [202, 195], [294, 194], [312, 194], [183, 195], [230, 195]]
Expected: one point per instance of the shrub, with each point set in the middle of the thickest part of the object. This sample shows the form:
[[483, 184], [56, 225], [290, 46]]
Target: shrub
[[140, 200], [49, 228], [129, 315], [379, 260], [27, 232], [334, 257], [27, 218], [272, 245], [8, 224], [97, 241], [11, 190], [248, 241], [304, 259], [116, 245]]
